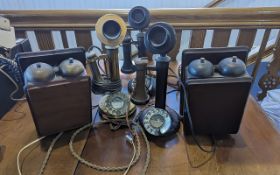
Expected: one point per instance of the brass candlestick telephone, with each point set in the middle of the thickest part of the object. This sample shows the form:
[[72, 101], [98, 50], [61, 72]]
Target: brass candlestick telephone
[[111, 31], [159, 120]]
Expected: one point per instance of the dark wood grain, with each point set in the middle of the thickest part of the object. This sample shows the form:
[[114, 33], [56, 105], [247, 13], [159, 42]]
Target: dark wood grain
[[261, 52], [220, 37], [20, 34], [64, 38], [17, 129], [254, 150], [173, 53], [44, 39], [246, 37], [197, 38], [83, 38], [267, 17]]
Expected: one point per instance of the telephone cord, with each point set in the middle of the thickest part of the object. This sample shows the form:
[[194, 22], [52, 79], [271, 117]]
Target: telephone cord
[[44, 164], [120, 168], [15, 84], [45, 161], [213, 149]]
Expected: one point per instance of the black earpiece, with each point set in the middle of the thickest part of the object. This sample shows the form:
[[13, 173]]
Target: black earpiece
[[160, 38], [139, 17]]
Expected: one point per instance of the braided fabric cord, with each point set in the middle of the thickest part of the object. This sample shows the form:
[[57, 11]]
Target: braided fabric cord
[[44, 164], [119, 168]]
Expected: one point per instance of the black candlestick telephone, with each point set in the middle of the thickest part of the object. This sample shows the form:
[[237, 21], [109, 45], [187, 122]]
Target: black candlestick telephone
[[159, 120]]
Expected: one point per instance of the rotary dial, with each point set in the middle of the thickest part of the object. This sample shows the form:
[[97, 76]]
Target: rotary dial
[[157, 121]]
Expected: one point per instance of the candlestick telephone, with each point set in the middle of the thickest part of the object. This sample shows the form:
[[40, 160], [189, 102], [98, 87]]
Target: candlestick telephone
[[160, 120], [111, 31], [139, 19]]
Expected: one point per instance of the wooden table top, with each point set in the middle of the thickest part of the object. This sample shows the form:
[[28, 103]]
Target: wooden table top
[[255, 150]]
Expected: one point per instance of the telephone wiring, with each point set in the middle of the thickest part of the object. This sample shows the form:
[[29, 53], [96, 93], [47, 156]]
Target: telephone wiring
[[190, 120], [13, 70]]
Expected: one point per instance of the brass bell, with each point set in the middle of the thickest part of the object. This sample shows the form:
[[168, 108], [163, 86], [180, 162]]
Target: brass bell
[[71, 67], [232, 66], [39, 72], [201, 68]]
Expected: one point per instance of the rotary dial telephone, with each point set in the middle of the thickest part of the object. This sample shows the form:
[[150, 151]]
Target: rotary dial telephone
[[156, 122], [115, 105], [160, 120]]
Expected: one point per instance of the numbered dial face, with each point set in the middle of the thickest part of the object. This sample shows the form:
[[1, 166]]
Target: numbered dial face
[[117, 104], [157, 121]]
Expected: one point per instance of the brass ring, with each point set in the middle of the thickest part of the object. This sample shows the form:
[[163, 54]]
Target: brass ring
[[100, 34]]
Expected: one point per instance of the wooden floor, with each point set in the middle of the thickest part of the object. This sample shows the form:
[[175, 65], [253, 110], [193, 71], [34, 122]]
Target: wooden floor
[[255, 150]]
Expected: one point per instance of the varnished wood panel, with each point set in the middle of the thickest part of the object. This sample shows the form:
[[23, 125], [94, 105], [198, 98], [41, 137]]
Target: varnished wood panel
[[17, 129], [197, 38], [64, 38], [243, 153], [246, 37], [220, 37], [83, 38], [179, 18], [44, 39], [20, 34], [261, 52], [173, 53]]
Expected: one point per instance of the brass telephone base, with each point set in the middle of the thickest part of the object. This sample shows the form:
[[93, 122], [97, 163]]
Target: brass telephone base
[[114, 106], [104, 87], [150, 85], [105, 115]]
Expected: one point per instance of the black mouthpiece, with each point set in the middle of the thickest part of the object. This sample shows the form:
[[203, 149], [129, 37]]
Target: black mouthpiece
[[160, 38]]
